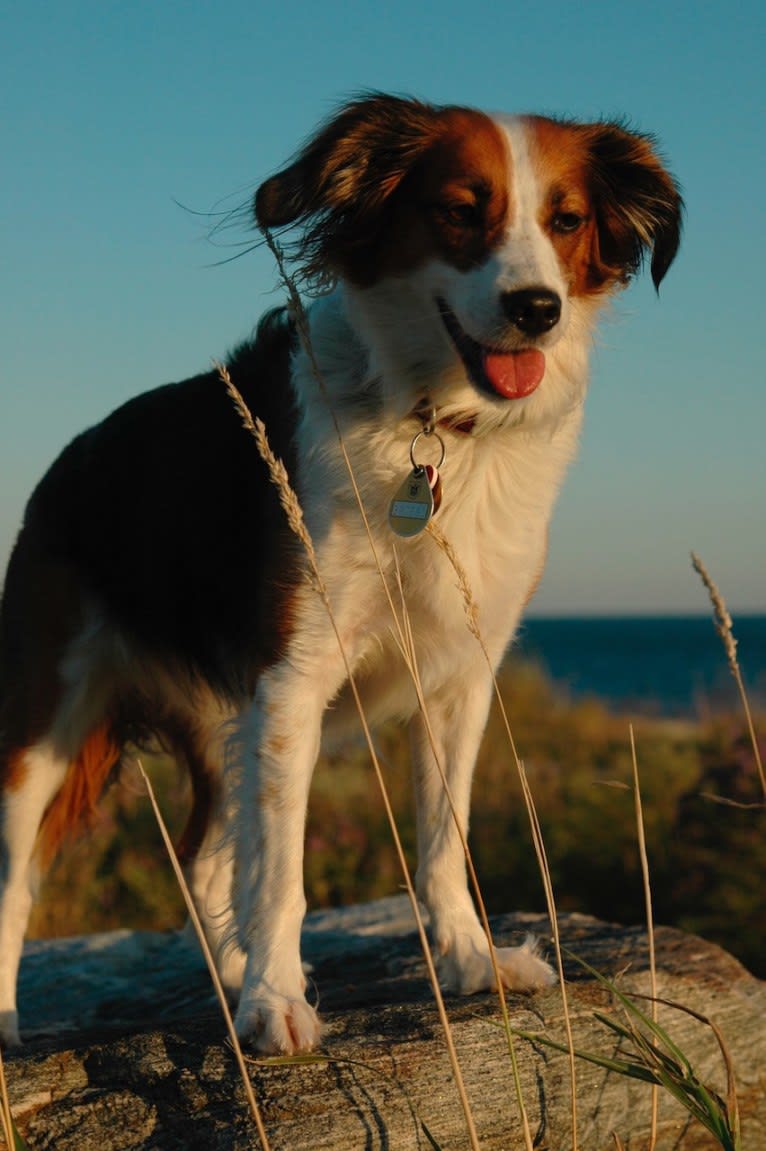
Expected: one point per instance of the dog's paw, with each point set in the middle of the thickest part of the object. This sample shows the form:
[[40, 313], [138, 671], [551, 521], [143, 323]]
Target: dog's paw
[[523, 968], [467, 968], [277, 1025]]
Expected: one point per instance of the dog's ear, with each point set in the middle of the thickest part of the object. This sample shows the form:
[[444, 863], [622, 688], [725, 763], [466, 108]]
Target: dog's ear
[[638, 203], [341, 180], [362, 152]]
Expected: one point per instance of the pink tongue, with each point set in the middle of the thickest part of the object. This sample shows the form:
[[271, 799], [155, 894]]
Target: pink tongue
[[514, 374]]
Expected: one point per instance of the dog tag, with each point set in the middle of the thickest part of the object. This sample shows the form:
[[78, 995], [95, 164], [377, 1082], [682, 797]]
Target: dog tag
[[415, 501]]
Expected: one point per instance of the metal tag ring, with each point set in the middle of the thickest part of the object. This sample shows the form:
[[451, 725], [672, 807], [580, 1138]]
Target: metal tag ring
[[430, 434]]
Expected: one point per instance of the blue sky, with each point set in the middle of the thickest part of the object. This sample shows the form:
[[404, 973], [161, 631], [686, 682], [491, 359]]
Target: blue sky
[[113, 114]]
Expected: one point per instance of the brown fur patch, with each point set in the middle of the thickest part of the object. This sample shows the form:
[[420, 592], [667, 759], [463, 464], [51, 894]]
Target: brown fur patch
[[76, 801], [14, 770], [615, 180], [453, 205], [560, 159]]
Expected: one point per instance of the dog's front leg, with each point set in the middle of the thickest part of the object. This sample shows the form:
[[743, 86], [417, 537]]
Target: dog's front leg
[[277, 746], [449, 735]]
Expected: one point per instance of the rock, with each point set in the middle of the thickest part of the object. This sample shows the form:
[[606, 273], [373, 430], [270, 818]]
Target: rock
[[126, 1050]]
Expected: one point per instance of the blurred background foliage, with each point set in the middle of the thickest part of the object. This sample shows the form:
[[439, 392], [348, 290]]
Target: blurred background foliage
[[703, 813]]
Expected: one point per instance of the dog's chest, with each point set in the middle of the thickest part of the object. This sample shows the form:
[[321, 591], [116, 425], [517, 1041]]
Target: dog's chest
[[474, 561]]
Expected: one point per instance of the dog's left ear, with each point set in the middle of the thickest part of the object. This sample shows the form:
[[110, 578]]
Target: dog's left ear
[[638, 203]]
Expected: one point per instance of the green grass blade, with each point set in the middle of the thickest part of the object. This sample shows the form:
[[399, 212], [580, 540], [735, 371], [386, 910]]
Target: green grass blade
[[670, 1068], [620, 1066], [632, 1009], [19, 1143]]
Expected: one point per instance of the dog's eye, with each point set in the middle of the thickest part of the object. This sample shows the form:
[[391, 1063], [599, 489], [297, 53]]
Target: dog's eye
[[566, 222], [460, 215]]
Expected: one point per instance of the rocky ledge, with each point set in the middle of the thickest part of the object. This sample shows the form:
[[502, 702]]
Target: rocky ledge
[[125, 1046]]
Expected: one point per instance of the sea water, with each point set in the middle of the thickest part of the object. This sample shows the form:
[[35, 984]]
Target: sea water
[[669, 666]]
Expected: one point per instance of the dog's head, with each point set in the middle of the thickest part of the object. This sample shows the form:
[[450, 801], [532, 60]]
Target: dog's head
[[486, 230]]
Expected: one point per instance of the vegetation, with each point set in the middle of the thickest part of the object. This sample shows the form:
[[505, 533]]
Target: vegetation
[[702, 811]]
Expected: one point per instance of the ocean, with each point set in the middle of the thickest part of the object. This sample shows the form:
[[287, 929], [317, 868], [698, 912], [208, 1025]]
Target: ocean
[[665, 666]]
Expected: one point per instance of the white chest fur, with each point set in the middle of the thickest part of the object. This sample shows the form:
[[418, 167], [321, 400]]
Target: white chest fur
[[499, 484]]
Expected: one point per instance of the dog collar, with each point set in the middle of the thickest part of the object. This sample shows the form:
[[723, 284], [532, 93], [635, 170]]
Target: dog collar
[[425, 411]]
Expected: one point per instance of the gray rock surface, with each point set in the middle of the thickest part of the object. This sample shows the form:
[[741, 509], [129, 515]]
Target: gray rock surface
[[125, 1046]]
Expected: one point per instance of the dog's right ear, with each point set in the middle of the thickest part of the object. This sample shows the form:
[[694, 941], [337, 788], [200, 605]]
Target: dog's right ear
[[341, 180]]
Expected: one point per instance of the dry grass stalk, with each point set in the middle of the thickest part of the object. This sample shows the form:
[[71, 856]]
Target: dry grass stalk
[[725, 629], [254, 1109], [723, 621], [5, 1108], [649, 919], [292, 508], [472, 620], [277, 469], [470, 606], [545, 872], [299, 316], [411, 660]]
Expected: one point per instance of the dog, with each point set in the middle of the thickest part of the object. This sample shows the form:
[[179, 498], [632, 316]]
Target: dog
[[458, 262]]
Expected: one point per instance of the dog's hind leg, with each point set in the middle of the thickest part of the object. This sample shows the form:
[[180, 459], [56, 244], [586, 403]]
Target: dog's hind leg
[[33, 775], [45, 795]]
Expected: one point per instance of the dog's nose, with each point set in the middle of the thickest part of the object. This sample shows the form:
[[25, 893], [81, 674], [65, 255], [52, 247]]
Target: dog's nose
[[532, 310]]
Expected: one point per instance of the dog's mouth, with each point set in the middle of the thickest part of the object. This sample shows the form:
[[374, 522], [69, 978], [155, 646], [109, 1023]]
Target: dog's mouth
[[511, 375]]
